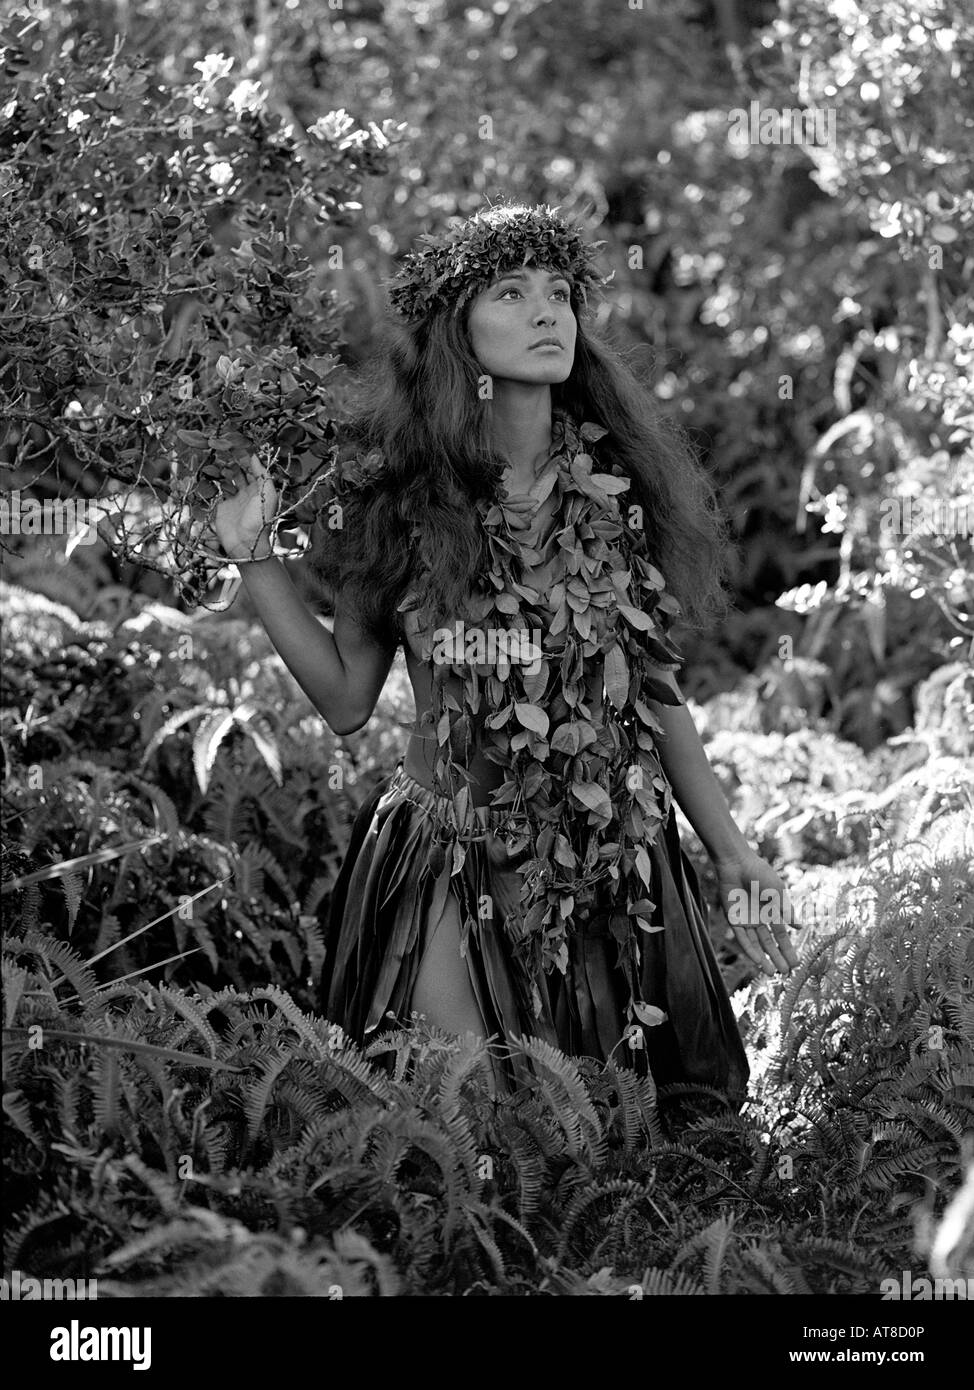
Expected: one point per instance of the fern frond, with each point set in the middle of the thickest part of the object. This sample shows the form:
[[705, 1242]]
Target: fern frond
[[262, 736], [717, 1239], [479, 1228], [879, 1175], [778, 1280], [105, 1097], [528, 1158], [212, 730], [261, 858], [15, 978], [583, 1201], [471, 1058], [843, 1255], [257, 1095], [17, 1111], [72, 967], [495, 1212], [174, 722], [638, 1109], [178, 1000], [70, 883], [166, 815], [570, 1102], [321, 885], [663, 1283]]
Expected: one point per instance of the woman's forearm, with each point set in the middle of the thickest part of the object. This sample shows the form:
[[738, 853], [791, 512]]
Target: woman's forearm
[[694, 784], [304, 644]]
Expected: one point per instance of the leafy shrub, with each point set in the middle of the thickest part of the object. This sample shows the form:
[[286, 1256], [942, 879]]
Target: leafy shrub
[[156, 237], [211, 771]]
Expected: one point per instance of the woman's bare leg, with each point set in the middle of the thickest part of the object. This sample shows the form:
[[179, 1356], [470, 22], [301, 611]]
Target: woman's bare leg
[[443, 991]]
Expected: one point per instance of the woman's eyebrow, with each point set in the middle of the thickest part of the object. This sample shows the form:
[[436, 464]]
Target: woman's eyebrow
[[520, 275]]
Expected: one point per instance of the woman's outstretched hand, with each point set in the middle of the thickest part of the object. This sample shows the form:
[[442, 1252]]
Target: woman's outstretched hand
[[243, 518], [756, 902]]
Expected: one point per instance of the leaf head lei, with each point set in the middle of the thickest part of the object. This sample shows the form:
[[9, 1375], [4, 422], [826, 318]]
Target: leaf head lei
[[455, 265]]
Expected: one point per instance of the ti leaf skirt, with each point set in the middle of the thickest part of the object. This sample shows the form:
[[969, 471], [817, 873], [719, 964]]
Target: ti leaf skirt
[[388, 892]]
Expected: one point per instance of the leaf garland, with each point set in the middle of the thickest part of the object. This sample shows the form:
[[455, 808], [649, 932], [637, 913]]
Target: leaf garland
[[456, 264], [583, 786]]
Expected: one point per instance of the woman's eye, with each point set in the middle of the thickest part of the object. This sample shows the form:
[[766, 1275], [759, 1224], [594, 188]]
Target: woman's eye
[[565, 293]]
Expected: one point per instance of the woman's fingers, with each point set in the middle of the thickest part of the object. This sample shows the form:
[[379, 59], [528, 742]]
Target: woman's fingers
[[745, 939], [787, 946], [764, 951], [771, 948]]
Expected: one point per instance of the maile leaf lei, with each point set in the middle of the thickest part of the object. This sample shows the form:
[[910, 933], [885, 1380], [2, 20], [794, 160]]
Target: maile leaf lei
[[577, 740]]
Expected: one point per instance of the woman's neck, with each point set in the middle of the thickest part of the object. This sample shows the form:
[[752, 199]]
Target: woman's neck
[[521, 428]]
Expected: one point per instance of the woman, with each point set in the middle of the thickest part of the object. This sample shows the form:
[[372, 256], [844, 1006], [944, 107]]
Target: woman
[[510, 510]]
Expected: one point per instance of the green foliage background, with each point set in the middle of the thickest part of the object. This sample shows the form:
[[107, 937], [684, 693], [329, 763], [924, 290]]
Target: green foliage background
[[197, 206]]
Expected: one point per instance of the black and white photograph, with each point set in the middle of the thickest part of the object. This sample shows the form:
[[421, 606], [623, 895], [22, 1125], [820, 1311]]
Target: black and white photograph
[[487, 698]]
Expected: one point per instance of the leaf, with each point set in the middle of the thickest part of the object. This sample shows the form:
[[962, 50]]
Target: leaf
[[610, 484], [594, 797], [567, 738], [644, 866], [193, 438], [533, 718], [536, 685], [589, 432], [166, 1054], [662, 655], [583, 623], [646, 715], [564, 854], [648, 1014], [616, 676], [662, 694], [636, 617]]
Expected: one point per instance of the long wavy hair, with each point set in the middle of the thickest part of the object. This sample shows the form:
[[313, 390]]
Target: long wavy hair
[[416, 400]]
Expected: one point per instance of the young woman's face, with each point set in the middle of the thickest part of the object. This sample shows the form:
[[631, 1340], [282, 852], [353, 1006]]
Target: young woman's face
[[513, 316]]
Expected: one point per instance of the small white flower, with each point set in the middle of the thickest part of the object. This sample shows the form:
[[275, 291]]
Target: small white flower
[[221, 174], [214, 66], [332, 125], [246, 96], [75, 119]]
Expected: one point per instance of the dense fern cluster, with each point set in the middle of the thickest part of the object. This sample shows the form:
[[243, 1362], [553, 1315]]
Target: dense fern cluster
[[192, 1126], [213, 1142]]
